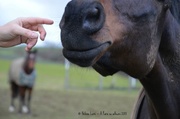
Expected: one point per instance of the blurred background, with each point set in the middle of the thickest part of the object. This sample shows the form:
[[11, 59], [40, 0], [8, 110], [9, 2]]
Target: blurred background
[[62, 89]]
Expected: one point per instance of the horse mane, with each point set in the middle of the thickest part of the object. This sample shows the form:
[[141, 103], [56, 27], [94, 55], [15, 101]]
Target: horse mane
[[175, 9]]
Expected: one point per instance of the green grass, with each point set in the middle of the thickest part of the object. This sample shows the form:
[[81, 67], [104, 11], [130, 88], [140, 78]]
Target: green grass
[[52, 101], [54, 73], [61, 104]]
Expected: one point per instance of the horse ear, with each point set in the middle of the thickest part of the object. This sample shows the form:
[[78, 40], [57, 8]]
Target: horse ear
[[164, 1], [35, 51], [167, 3], [32, 51], [28, 52]]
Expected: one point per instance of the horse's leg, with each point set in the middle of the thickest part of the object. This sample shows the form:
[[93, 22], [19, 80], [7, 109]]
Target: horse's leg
[[22, 91], [14, 94], [29, 99]]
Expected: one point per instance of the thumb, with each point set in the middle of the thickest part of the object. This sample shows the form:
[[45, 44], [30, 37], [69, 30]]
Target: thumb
[[25, 32]]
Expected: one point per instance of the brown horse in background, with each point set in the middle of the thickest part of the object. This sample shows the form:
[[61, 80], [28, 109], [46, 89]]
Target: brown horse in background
[[22, 76], [138, 37]]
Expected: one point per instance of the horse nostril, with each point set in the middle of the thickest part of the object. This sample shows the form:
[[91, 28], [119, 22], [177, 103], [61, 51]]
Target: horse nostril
[[92, 16], [94, 19]]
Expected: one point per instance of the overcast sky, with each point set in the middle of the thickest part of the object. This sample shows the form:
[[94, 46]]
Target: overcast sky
[[53, 9]]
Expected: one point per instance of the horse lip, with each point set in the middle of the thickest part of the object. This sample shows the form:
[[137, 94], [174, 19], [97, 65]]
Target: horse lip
[[85, 58]]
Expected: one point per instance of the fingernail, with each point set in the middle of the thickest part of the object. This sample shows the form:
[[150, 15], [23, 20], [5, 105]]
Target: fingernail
[[34, 35]]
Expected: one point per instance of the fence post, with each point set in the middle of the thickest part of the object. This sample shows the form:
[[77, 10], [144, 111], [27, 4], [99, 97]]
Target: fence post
[[132, 82], [100, 82], [113, 82], [66, 81]]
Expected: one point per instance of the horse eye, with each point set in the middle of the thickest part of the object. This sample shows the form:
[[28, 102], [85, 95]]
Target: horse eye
[[142, 18]]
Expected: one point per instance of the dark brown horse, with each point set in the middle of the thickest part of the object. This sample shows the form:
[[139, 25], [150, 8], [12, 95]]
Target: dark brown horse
[[22, 76], [139, 37]]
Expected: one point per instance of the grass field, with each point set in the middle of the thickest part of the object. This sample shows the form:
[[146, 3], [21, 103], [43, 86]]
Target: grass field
[[52, 101]]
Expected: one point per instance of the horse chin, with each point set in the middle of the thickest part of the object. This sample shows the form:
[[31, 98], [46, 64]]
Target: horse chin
[[104, 70], [105, 66], [86, 58]]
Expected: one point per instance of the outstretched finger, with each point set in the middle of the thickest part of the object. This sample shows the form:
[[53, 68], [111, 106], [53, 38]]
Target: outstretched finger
[[36, 20]]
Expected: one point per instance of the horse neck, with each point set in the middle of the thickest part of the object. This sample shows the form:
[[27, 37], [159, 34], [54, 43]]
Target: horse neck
[[170, 46], [162, 83]]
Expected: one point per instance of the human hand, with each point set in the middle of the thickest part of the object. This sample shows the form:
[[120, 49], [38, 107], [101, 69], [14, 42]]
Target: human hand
[[23, 30]]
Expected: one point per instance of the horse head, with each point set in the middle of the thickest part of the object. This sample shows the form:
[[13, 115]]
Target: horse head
[[113, 35], [30, 60], [139, 37]]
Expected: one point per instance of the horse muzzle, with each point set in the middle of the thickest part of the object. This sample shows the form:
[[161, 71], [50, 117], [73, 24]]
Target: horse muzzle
[[81, 20]]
